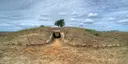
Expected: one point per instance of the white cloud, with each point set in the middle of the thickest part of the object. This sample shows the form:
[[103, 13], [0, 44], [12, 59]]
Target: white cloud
[[75, 13], [123, 21], [44, 15], [88, 21], [108, 18], [81, 23], [111, 18], [5, 24], [44, 19], [127, 16], [92, 14], [72, 19], [108, 27], [62, 13], [29, 25]]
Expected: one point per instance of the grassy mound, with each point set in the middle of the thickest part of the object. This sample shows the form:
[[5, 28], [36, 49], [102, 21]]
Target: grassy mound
[[58, 53], [74, 35]]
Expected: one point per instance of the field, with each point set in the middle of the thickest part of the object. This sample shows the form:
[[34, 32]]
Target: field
[[13, 49]]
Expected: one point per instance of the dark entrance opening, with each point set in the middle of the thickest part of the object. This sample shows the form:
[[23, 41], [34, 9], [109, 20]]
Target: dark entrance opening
[[56, 35]]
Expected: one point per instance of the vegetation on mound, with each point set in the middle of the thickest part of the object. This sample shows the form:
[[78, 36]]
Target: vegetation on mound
[[94, 32], [12, 35]]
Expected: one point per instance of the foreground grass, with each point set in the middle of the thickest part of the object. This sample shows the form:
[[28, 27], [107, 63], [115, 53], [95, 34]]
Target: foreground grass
[[64, 55]]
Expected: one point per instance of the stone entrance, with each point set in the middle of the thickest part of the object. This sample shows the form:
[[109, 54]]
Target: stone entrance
[[55, 35]]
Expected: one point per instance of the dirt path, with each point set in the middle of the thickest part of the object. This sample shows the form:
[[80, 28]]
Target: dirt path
[[55, 48], [56, 43]]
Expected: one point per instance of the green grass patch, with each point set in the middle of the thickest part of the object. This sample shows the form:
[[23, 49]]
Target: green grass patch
[[94, 32]]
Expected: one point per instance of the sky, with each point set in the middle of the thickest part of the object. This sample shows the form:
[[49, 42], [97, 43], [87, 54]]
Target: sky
[[103, 15]]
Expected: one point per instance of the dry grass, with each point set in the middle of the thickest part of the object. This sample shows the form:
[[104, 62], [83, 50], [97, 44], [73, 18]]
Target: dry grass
[[58, 52]]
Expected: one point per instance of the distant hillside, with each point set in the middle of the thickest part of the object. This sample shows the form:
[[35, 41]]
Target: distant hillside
[[3, 33]]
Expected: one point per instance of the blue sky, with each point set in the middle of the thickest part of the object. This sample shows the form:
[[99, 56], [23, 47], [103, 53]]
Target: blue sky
[[94, 14]]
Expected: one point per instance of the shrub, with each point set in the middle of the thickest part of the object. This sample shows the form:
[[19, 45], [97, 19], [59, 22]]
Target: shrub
[[97, 34], [60, 23], [41, 25]]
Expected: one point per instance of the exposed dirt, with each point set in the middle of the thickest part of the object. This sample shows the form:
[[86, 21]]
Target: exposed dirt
[[59, 53], [56, 43]]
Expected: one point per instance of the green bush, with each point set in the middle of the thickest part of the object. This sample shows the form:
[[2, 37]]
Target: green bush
[[60, 23], [97, 34], [41, 25], [94, 32]]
